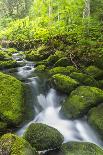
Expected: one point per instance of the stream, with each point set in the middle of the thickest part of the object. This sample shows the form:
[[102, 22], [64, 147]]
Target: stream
[[46, 105]]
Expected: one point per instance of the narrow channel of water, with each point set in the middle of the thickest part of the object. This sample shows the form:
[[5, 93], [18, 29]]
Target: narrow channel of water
[[47, 105]]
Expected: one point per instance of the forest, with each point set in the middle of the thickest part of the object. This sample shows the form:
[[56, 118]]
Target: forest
[[51, 77]]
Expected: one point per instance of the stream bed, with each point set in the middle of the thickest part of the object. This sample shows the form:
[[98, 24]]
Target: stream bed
[[46, 105]]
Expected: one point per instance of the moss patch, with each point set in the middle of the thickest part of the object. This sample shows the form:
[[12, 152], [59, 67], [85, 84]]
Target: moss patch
[[43, 137], [84, 79], [95, 118], [64, 83], [11, 99], [94, 72], [62, 70], [81, 100], [13, 145], [76, 148], [62, 62]]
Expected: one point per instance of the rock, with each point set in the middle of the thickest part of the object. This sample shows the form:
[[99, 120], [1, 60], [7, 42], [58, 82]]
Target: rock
[[94, 72], [84, 79], [11, 100], [64, 83], [43, 137], [95, 118], [81, 100], [11, 144], [8, 64], [63, 62], [81, 148], [62, 70]]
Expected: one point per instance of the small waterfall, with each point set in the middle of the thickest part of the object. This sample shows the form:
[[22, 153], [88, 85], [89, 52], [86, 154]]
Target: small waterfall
[[46, 105]]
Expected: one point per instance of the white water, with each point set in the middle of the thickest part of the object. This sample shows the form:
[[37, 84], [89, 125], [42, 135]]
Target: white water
[[77, 130]]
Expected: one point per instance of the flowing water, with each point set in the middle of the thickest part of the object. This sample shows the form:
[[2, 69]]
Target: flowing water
[[46, 105]]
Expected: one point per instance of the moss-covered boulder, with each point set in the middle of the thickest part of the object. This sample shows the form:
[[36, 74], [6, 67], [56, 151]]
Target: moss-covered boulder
[[6, 61], [43, 137], [11, 99], [62, 70], [81, 148], [63, 62], [94, 72], [11, 144], [84, 79], [8, 64], [81, 100], [64, 83], [95, 118], [40, 68]]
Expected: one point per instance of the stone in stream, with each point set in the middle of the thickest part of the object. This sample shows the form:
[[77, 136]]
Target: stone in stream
[[81, 100], [80, 148], [95, 118], [43, 137], [11, 144], [64, 83], [11, 100]]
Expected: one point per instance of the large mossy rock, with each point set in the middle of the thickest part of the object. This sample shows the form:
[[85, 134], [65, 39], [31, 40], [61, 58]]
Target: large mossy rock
[[84, 79], [95, 118], [64, 83], [62, 70], [6, 60], [76, 148], [11, 144], [81, 100], [43, 137], [94, 72], [11, 99]]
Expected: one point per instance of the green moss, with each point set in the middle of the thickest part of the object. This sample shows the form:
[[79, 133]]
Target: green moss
[[8, 64], [11, 99], [64, 83], [40, 68], [43, 137], [53, 58], [94, 72], [13, 145], [10, 51], [84, 79], [3, 55], [39, 54], [63, 62], [62, 70], [81, 100], [95, 118], [82, 148]]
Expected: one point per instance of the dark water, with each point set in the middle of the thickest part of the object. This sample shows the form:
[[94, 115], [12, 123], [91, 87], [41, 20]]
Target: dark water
[[45, 105]]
